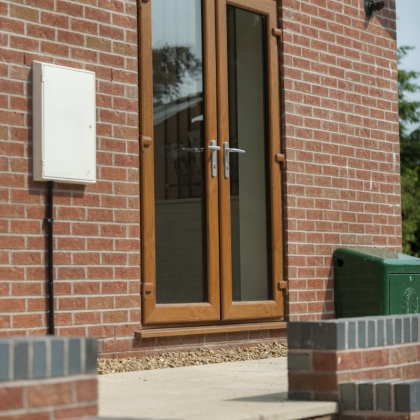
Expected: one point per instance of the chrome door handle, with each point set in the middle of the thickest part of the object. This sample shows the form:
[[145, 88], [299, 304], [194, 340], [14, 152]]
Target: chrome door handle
[[228, 150], [193, 149], [214, 148]]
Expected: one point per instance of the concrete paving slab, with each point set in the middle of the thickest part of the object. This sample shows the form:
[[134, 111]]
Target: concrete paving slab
[[253, 390]]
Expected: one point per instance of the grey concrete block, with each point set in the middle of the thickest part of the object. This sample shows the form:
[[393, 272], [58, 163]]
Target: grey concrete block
[[298, 361], [415, 329], [407, 329], [390, 331], [380, 332], [365, 390], [91, 355], [361, 334], [57, 357], [74, 356], [299, 396], [306, 335], [398, 326], [20, 360], [348, 396], [4, 360], [371, 333], [351, 335], [39, 359], [383, 396], [294, 340], [407, 396]]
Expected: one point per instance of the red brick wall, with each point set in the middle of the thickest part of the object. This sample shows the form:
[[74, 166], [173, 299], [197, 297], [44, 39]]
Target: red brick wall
[[340, 133], [73, 397], [96, 227]]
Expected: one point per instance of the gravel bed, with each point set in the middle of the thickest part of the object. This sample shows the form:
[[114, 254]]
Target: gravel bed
[[191, 358]]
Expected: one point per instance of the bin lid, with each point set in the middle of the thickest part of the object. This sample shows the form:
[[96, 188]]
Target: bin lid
[[401, 262]]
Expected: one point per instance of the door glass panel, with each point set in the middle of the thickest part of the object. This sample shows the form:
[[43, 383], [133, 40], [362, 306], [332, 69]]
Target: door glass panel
[[248, 130], [180, 208]]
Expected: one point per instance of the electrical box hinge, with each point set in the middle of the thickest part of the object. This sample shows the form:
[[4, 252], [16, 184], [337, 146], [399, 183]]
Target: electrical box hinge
[[147, 288], [281, 159], [282, 286], [278, 33], [145, 142]]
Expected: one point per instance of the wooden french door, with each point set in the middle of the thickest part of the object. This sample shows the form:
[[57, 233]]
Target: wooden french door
[[211, 235]]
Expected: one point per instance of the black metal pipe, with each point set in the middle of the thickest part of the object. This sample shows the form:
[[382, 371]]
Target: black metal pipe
[[50, 247]]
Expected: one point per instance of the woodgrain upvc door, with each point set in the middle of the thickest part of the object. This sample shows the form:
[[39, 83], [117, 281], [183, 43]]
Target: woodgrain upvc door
[[250, 195], [211, 239]]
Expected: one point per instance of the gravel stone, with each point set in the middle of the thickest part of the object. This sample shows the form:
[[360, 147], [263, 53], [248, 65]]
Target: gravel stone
[[201, 356]]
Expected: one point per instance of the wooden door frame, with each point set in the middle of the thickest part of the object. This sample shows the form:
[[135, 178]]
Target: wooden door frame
[[235, 311], [220, 308], [154, 314]]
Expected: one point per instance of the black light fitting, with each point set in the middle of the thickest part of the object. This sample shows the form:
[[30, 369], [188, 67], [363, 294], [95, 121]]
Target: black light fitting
[[371, 7]]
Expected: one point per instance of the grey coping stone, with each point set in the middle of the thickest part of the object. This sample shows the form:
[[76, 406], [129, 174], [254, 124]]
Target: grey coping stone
[[293, 335], [351, 335], [390, 331], [361, 334], [415, 329], [383, 396], [407, 329], [348, 396], [91, 355], [407, 396], [365, 396], [57, 357], [299, 396], [371, 333], [298, 361], [341, 335], [75, 365], [325, 335], [398, 330], [4, 360], [39, 359], [20, 360], [380, 333]]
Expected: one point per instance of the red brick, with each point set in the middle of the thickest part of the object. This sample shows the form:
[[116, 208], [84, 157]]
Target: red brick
[[87, 390], [101, 302], [115, 316], [79, 412], [44, 395], [11, 397], [403, 354], [375, 358], [27, 321]]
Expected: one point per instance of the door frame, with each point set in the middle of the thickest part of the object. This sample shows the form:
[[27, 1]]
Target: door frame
[[153, 313], [219, 309], [258, 309]]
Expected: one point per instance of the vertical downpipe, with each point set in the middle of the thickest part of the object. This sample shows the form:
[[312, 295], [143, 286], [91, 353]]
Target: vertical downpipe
[[50, 247]]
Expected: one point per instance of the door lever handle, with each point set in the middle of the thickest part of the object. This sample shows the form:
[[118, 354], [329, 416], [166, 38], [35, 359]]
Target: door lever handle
[[214, 148], [228, 150]]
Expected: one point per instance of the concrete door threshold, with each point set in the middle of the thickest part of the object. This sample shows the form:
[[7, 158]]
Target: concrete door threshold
[[249, 390]]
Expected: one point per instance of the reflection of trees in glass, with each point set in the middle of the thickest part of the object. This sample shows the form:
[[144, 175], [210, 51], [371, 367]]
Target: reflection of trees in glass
[[409, 112], [171, 66]]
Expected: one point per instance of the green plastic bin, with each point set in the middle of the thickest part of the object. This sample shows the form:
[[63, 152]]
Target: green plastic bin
[[371, 281]]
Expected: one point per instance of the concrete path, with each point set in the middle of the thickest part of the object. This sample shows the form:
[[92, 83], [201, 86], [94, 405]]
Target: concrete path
[[229, 391]]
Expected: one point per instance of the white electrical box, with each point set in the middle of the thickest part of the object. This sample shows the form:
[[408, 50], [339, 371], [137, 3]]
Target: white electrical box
[[64, 124]]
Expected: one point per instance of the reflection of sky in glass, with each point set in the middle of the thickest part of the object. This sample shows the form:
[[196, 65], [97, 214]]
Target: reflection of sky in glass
[[408, 33], [178, 23]]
